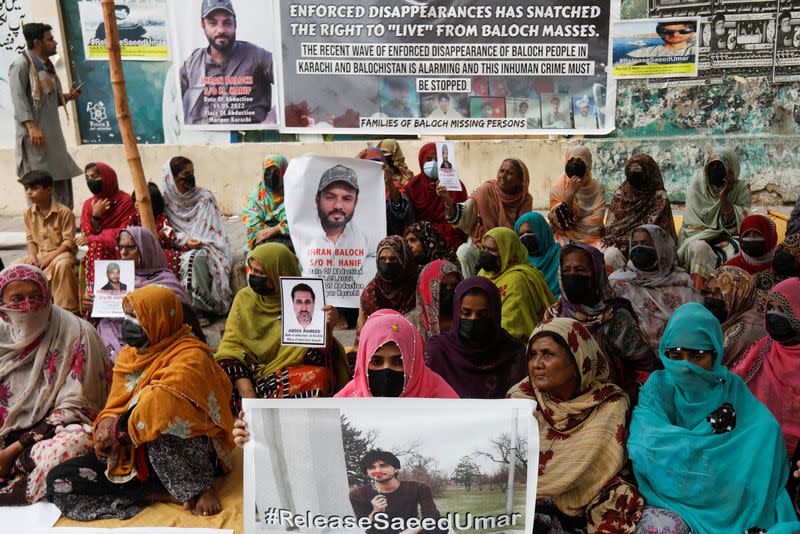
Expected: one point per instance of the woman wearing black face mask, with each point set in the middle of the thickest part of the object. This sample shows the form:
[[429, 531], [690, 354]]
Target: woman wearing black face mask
[[653, 282], [264, 215], [587, 297], [785, 264], [641, 199], [395, 284], [477, 356], [437, 286], [251, 351], [771, 368], [716, 205], [759, 237]]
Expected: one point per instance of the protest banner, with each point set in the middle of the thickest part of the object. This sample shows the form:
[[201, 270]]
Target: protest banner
[[655, 48], [113, 279], [446, 159], [458, 67], [787, 44], [142, 28], [303, 321], [336, 210], [227, 73], [311, 466]]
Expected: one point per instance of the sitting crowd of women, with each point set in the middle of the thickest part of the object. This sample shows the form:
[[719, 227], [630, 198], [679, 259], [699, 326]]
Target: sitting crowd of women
[[662, 362]]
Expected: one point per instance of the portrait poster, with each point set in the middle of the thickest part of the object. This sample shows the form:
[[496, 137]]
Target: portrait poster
[[787, 43], [655, 48], [142, 26], [446, 159], [471, 465], [336, 210], [303, 319], [226, 71], [113, 279]]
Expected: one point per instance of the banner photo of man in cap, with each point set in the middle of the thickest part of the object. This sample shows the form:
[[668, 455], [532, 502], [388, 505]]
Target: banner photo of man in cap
[[336, 211], [226, 74]]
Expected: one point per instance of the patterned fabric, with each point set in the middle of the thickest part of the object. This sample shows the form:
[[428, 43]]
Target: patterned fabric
[[54, 372], [768, 279], [582, 440], [195, 215], [549, 251], [672, 440], [525, 294], [745, 325], [703, 218], [494, 208], [392, 148], [632, 207], [586, 214], [660, 521], [265, 208], [434, 245], [167, 238], [793, 226], [655, 295], [770, 369], [426, 315], [170, 387], [388, 326], [400, 294], [766, 228]]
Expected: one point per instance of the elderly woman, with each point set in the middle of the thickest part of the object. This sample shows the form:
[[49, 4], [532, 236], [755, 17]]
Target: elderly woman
[[437, 286], [586, 296], [730, 295], [759, 237], [543, 251], [652, 281], [497, 202], [476, 356], [525, 294], [697, 424], [165, 430], [578, 202], [264, 215], [582, 420], [53, 382], [716, 205]]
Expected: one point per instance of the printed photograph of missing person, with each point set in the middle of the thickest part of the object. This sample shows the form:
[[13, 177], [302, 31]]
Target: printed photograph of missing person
[[677, 40], [556, 111], [399, 98], [336, 201], [528, 108], [584, 112], [113, 276], [487, 107], [444, 105]]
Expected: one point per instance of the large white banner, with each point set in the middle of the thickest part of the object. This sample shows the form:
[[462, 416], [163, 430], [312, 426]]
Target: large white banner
[[336, 210], [388, 465]]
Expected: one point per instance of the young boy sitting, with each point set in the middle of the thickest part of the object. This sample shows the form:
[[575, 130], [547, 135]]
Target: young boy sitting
[[50, 234]]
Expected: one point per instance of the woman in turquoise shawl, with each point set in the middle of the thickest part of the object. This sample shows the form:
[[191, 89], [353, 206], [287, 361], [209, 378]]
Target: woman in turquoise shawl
[[264, 215], [701, 445], [543, 251], [523, 291]]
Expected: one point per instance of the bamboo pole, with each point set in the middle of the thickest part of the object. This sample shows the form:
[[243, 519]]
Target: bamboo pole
[[124, 118]]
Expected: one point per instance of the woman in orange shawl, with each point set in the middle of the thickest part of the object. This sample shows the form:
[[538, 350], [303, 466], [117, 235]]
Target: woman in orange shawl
[[578, 202], [166, 427]]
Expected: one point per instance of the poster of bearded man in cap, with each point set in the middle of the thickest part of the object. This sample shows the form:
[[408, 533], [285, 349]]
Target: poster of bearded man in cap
[[336, 210]]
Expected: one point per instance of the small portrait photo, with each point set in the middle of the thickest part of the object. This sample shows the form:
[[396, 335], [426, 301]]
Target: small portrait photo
[[556, 111], [444, 105], [528, 108], [303, 318], [487, 107], [113, 279], [584, 112], [399, 98]]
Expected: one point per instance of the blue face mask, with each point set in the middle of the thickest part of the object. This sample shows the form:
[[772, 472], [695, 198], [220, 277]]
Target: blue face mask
[[431, 169]]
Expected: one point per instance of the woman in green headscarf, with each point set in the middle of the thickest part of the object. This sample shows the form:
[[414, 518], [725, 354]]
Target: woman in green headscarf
[[264, 215], [524, 292], [716, 204], [251, 351]]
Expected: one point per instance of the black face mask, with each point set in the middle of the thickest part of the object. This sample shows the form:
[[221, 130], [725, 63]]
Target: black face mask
[[421, 258], [386, 383], [644, 257], [475, 331], [578, 168], [531, 243], [188, 181], [717, 174], [783, 264], [755, 248], [259, 285], [717, 308], [133, 334], [95, 186], [446, 302], [780, 328], [273, 180], [578, 288], [636, 179], [390, 271], [488, 262]]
